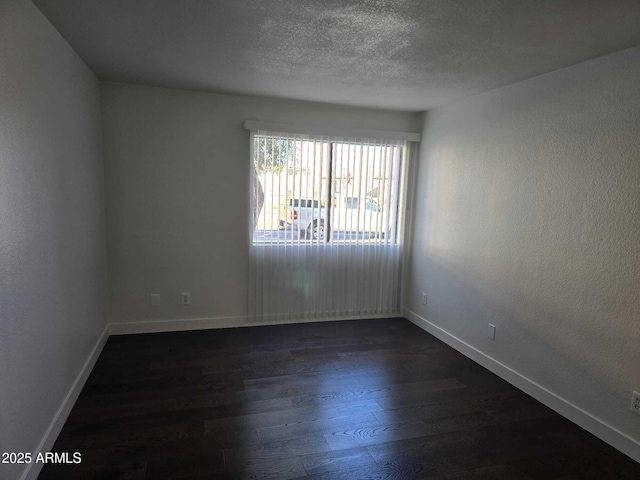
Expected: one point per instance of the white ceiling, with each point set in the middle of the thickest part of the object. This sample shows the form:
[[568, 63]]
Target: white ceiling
[[402, 54]]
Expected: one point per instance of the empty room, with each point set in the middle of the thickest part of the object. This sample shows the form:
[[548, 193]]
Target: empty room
[[294, 239]]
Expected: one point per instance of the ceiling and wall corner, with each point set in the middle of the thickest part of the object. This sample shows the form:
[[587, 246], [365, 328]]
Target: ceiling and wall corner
[[408, 54]]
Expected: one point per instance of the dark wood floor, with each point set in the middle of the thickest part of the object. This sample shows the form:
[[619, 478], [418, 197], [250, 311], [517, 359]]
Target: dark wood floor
[[370, 399]]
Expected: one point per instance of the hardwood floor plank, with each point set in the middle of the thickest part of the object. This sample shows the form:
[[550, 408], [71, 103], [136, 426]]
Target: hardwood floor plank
[[336, 377], [400, 415], [464, 450], [418, 388], [328, 463], [191, 380], [294, 415], [186, 459], [250, 455], [348, 349], [408, 397], [588, 463], [370, 399], [277, 468], [380, 434], [372, 472], [292, 431]]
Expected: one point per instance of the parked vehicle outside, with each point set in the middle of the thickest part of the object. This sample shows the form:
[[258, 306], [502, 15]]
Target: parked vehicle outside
[[350, 214], [298, 213]]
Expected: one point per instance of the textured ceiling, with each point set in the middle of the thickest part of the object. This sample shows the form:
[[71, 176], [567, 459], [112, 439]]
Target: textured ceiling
[[403, 54]]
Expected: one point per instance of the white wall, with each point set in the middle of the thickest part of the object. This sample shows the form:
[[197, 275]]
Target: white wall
[[52, 238], [527, 216], [177, 171]]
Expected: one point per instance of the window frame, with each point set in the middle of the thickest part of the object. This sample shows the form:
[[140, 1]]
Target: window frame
[[396, 237]]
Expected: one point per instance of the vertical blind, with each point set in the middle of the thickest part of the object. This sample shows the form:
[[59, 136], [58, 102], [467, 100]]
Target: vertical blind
[[327, 226]]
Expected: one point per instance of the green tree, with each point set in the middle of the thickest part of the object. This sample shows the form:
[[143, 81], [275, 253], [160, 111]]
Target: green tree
[[274, 154], [270, 155], [258, 199]]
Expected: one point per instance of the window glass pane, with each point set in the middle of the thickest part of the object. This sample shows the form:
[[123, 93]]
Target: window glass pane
[[318, 191]]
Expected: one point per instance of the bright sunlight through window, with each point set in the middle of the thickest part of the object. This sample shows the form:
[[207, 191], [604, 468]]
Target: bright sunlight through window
[[321, 190]]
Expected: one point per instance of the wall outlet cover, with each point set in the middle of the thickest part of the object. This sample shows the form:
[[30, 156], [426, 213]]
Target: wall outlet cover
[[185, 298], [635, 403], [155, 299]]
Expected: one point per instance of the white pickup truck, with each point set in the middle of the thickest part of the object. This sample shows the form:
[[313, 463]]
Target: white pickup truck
[[308, 216]]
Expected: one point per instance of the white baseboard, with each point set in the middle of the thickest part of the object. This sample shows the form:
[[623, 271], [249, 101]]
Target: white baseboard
[[584, 419], [187, 324], [32, 470]]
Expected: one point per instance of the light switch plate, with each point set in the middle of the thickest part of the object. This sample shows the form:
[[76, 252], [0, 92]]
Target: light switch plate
[[491, 331]]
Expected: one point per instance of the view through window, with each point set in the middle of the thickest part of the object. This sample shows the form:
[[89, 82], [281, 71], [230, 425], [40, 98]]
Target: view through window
[[322, 190]]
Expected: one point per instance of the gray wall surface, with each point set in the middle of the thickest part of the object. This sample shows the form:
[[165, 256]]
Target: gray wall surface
[[52, 237], [177, 189], [528, 216]]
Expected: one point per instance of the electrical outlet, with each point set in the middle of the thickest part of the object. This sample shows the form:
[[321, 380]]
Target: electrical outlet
[[491, 331], [424, 298], [185, 298], [155, 299], [635, 403]]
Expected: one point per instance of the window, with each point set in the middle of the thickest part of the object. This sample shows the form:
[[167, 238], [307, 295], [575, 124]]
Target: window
[[325, 190], [327, 222]]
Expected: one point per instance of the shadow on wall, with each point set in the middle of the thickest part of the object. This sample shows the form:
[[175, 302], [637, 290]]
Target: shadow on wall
[[529, 220], [544, 331]]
